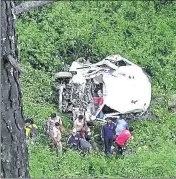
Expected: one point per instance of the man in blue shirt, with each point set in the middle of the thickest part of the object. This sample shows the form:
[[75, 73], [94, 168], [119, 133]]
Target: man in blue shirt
[[121, 124], [108, 134]]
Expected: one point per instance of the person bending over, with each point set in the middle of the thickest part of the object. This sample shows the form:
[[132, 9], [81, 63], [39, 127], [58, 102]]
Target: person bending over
[[73, 140], [122, 139]]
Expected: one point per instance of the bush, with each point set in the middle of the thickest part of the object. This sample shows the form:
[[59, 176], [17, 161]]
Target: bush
[[63, 31]]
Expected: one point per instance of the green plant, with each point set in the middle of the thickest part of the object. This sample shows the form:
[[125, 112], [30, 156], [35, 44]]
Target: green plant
[[64, 31]]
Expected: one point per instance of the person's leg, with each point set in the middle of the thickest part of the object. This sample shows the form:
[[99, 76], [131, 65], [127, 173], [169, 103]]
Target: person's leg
[[59, 148], [50, 142], [110, 141], [106, 145], [90, 149], [120, 150]]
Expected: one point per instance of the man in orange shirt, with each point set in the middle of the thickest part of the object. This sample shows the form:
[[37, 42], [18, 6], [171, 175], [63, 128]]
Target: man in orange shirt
[[122, 139]]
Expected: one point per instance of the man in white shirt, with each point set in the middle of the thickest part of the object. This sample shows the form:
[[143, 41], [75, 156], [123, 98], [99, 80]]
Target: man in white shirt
[[79, 123], [51, 123], [57, 138]]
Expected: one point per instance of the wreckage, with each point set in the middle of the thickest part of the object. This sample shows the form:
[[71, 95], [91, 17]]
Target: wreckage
[[110, 87]]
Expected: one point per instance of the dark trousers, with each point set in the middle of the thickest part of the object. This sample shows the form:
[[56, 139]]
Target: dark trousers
[[108, 143], [119, 150]]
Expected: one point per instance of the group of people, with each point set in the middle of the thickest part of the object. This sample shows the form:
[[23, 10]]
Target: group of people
[[113, 132], [117, 132], [79, 139]]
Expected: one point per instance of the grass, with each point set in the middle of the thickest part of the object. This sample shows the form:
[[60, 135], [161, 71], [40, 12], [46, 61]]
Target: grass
[[64, 31]]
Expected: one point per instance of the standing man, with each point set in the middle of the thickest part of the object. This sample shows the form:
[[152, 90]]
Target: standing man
[[57, 138], [51, 123], [108, 133], [121, 124], [122, 139]]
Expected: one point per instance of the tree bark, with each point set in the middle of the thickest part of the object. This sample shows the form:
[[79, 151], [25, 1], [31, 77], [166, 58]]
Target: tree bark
[[14, 152], [26, 6]]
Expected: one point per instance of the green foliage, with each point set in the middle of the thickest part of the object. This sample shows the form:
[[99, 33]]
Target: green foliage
[[158, 164], [65, 31], [143, 32], [38, 96]]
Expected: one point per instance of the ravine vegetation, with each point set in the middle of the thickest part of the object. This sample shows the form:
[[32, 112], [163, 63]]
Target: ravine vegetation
[[63, 31]]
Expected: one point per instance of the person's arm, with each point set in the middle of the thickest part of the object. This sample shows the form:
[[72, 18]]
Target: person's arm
[[85, 127], [35, 126], [47, 125], [60, 120], [102, 133], [59, 136], [126, 126], [69, 141], [74, 124], [114, 129], [62, 129], [61, 123]]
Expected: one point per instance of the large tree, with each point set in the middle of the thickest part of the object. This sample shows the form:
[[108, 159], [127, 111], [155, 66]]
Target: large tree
[[14, 153]]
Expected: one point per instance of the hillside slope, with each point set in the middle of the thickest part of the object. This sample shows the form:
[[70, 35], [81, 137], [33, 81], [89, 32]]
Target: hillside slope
[[64, 31]]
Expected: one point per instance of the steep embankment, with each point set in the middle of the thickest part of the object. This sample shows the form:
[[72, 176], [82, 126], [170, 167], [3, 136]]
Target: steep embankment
[[63, 31]]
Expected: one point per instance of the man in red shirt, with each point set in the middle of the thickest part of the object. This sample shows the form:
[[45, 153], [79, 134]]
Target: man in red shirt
[[123, 137]]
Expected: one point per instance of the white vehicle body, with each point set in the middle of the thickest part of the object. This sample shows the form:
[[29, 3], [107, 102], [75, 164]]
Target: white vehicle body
[[126, 89]]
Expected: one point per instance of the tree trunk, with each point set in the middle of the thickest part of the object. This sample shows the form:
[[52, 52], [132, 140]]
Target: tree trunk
[[14, 153]]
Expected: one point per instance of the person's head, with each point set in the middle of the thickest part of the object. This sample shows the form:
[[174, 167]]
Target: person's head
[[131, 129], [53, 115], [122, 116], [80, 117], [100, 94], [109, 121], [57, 125], [29, 121], [74, 132]]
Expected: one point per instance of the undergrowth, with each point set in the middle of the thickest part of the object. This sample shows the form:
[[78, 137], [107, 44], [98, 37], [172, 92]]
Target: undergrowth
[[63, 31]]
